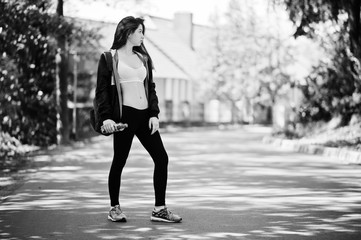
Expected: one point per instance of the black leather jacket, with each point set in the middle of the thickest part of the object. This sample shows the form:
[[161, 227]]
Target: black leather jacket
[[106, 94]]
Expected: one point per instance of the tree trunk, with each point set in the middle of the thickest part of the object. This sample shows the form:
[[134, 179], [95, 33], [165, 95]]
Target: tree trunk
[[59, 8], [234, 113], [63, 78], [355, 27], [269, 118]]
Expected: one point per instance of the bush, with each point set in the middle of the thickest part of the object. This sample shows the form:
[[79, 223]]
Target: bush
[[28, 33], [11, 147], [332, 90], [28, 77]]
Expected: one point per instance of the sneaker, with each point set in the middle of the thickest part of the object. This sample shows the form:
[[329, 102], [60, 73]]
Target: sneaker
[[116, 214], [165, 215]]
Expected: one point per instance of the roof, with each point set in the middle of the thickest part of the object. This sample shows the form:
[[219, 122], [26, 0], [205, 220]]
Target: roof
[[164, 67], [172, 57], [169, 43]]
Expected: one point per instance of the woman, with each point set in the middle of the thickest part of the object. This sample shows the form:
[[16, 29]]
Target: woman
[[137, 97]]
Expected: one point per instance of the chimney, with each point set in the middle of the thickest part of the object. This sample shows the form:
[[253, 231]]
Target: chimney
[[183, 24]]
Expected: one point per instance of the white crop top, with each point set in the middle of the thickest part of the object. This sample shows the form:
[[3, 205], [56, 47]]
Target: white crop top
[[130, 74], [132, 84]]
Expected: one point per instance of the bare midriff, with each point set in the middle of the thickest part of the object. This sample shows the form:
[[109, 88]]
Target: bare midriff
[[134, 94]]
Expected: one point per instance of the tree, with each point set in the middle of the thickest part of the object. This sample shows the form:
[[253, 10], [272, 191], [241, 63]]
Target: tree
[[334, 85], [307, 14], [248, 61], [231, 63], [27, 60], [27, 110], [63, 79], [332, 89]]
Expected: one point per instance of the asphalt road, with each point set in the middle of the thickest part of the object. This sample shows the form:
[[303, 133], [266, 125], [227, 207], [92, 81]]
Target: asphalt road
[[225, 184]]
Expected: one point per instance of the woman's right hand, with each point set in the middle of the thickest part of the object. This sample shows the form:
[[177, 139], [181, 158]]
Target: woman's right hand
[[108, 125]]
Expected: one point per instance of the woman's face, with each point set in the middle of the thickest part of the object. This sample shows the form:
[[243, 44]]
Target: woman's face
[[137, 37]]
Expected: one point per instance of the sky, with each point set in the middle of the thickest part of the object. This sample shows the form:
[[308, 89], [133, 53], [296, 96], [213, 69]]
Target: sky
[[115, 10], [99, 10]]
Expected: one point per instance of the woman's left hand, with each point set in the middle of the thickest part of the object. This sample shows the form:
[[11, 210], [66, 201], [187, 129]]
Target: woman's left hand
[[153, 124]]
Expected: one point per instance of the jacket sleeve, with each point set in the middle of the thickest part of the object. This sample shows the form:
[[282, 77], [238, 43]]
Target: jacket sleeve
[[102, 94], [153, 99]]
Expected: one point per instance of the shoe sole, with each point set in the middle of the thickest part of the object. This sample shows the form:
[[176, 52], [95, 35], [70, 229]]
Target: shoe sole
[[115, 220], [155, 219]]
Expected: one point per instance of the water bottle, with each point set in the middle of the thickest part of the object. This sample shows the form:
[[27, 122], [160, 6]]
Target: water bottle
[[117, 127]]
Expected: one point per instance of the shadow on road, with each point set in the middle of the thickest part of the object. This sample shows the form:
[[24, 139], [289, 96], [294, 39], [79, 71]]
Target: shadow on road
[[225, 184]]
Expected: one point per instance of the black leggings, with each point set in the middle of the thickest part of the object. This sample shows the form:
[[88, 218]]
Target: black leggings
[[138, 124]]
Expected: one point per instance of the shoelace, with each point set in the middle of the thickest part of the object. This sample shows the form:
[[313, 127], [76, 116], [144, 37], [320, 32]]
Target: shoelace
[[117, 210], [165, 213]]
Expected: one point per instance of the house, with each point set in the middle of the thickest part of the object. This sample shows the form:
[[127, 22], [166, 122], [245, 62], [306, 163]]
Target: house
[[173, 46], [178, 48]]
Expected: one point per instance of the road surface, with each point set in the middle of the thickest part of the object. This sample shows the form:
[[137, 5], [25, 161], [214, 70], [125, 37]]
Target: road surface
[[226, 184]]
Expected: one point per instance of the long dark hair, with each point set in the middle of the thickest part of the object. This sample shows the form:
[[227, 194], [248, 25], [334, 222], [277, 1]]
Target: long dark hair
[[125, 27]]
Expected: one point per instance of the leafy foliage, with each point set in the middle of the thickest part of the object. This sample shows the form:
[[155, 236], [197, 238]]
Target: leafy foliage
[[11, 147], [27, 61], [307, 14], [332, 90], [27, 76], [333, 87], [249, 59]]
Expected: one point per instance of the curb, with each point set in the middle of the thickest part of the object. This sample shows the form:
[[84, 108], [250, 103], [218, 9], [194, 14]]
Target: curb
[[343, 155]]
